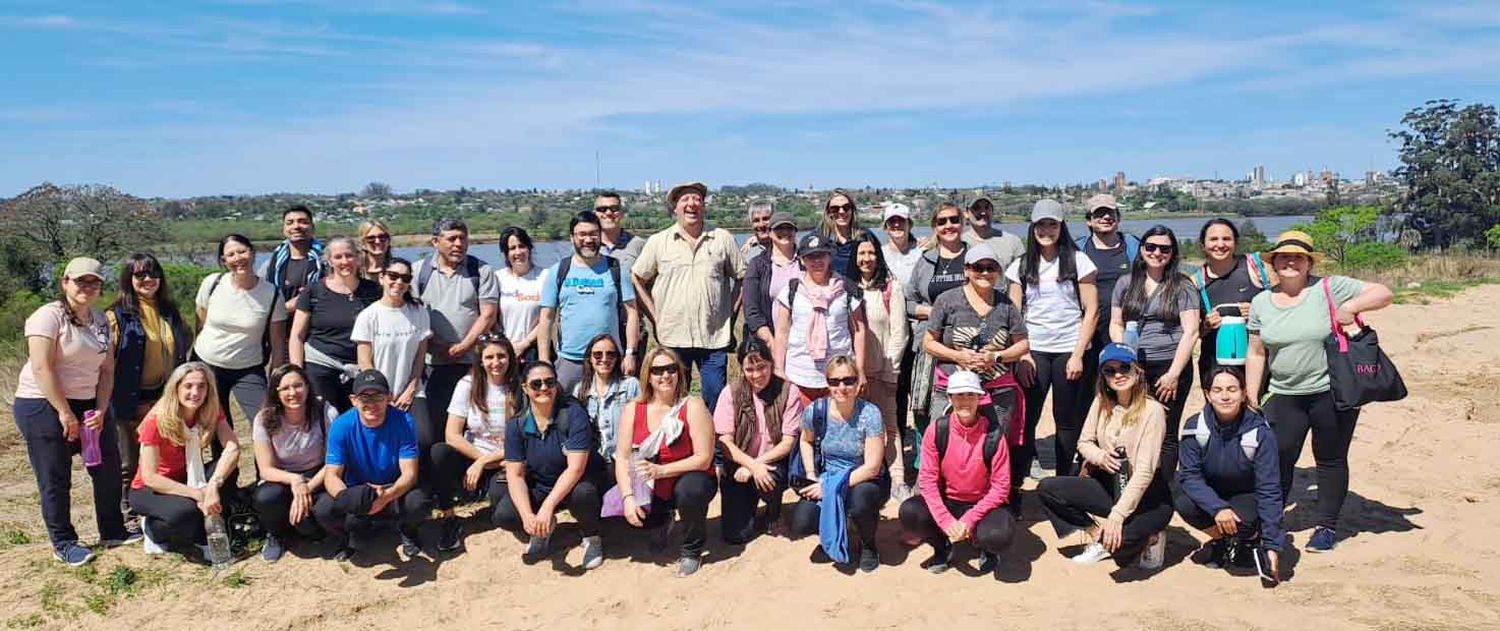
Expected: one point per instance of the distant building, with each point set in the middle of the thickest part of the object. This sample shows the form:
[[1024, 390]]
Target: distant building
[[1259, 176], [1299, 180], [1119, 181], [1102, 185]]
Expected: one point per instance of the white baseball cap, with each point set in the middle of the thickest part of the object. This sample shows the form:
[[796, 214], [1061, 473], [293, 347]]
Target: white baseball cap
[[897, 210], [964, 382]]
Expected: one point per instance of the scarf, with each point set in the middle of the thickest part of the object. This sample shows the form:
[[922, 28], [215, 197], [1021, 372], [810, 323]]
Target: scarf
[[665, 434], [283, 254], [820, 298], [195, 477]]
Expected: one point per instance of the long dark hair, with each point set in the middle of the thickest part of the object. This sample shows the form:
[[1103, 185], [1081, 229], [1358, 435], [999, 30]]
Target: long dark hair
[[1067, 252], [882, 271], [274, 412], [586, 385], [407, 297], [479, 381], [1172, 282], [126, 300]]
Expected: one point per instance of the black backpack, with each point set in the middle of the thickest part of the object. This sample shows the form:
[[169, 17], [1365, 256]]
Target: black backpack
[[992, 437], [566, 264], [470, 271]]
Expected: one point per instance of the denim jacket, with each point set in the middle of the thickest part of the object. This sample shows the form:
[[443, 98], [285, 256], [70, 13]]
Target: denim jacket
[[606, 410]]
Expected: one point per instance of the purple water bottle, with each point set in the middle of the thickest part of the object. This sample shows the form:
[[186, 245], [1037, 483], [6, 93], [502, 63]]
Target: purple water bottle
[[91, 454]]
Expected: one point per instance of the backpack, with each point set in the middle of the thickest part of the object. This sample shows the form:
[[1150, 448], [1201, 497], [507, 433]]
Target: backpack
[[992, 437], [470, 271], [1249, 441], [265, 336], [796, 468], [1254, 261], [566, 264], [850, 291], [1132, 244]]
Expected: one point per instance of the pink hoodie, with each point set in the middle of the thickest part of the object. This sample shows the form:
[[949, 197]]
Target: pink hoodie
[[963, 471]]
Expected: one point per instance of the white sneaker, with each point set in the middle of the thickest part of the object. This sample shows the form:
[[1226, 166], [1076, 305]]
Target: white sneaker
[[1091, 555], [148, 544], [1155, 554], [593, 552]]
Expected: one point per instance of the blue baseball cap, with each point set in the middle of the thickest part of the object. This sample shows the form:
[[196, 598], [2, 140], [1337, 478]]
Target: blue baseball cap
[[1117, 352]]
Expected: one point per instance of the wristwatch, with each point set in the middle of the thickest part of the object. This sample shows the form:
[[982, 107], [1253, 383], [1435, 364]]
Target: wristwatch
[[630, 352]]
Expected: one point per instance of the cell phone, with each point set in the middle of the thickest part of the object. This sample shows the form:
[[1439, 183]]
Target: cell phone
[[799, 483]]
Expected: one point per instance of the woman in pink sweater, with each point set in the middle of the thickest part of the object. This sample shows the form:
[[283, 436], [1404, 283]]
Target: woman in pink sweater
[[964, 478]]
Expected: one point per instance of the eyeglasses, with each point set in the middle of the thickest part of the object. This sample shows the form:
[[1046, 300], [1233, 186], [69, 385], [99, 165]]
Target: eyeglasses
[[1156, 247], [661, 371], [603, 355], [842, 382], [398, 277], [952, 220], [377, 238], [88, 282], [145, 275], [609, 209], [537, 385], [1116, 371], [840, 208], [985, 269], [373, 397]]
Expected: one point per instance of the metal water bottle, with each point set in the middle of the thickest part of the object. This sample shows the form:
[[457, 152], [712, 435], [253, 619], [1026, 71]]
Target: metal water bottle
[[1122, 478]]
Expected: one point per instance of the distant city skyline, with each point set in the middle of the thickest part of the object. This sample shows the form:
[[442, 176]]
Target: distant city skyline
[[183, 98]]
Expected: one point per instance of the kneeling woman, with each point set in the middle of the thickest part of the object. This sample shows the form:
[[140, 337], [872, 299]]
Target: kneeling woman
[[964, 480], [290, 436], [1122, 436], [757, 421], [473, 447], [843, 450], [1229, 478], [667, 439], [170, 491], [551, 465]]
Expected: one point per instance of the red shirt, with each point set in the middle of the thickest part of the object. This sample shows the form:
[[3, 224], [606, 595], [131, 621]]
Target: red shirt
[[171, 460], [678, 450]]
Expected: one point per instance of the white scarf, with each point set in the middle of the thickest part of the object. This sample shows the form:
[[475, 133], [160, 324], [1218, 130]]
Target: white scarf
[[195, 477], [665, 434]]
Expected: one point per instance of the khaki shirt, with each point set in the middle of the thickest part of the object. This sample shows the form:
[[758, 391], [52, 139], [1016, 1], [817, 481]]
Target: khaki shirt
[[694, 287]]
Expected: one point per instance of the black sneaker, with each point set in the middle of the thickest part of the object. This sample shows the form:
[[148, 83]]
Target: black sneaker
[[988, 562], [1263, 568], [449, 534], [869, 560], [688, 565], [411, 548], [938, 562], [344, 554]]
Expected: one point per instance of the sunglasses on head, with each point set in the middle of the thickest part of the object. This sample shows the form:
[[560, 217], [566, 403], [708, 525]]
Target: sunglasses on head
[[1156, 247], [541, 383], [659, 371], [397, 277], [849, 207], [377, 238], [608, 209], [603, 355], [953, 220], [491, 338], [842, 382]]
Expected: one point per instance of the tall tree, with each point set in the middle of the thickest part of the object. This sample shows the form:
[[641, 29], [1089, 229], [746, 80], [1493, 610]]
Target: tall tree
[[1450, 164], [83, 220]]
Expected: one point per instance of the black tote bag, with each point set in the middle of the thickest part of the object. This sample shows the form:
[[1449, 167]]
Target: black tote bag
[[1358, 371]]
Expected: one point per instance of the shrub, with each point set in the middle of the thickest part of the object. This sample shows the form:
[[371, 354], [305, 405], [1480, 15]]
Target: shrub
[[1374, 256]]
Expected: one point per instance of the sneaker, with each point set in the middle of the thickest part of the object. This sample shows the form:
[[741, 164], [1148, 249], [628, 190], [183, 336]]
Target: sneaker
[[411, 548], [902, 492], [345, 554], [688, 565], [273, 549], [537, 549], [593, 552], [148, 543], [1155, 553], [449, 534], [1091, 555], [73, 553], [938, 562], [869, 560], [988, 562], [1323, 540], [1263, 568], [1242, 554], [1036, 472], [126, 539], [1219, 552]]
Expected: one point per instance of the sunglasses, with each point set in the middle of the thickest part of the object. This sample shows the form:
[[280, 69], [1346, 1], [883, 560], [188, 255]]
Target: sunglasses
[[842, 382], [88, 281], [1156, 247], [1101, 214], [541, 384], [1116, 371], [951, 220], [145, 275], [398, 277], [377, 238], [985, 269], [603, 355], [845, 208], [609, 209], [659, 371]]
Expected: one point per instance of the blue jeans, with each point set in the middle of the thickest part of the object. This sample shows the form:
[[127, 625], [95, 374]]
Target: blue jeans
[[712, 364], [51, 457]]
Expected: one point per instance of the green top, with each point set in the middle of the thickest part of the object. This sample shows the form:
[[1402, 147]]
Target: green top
[[1294, 335]]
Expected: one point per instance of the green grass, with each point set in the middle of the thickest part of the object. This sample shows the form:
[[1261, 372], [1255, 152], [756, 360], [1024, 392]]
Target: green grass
[[1428, 291], [237, 579], [11, 535], [28, 621]]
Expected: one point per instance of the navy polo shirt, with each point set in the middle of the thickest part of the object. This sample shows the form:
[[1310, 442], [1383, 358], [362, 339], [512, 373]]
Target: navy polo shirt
[[545, 453]]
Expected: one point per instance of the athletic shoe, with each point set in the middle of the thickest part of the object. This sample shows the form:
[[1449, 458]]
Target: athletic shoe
[[593, 552], [128, 538], [938, 563], [537, 549], [688, 565], [869, 560], [410, 547], [449, 534], [273, 549], [72, 553], [988, 562], [1219, 551], [1242, 554], [1323, 540], [148, 543], [1036, 472], [1155, 553], [902, 492], [1091, 555], [345, 554], [1263, 568]]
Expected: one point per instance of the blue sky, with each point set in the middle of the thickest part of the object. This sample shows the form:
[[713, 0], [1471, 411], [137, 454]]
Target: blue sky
[[251, 96]]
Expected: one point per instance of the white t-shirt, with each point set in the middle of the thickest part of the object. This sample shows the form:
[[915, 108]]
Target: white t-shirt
[[900, 264], [487, 433], [236, 322], [394, 335], [801, 369], [520, 300], [1052, 308]]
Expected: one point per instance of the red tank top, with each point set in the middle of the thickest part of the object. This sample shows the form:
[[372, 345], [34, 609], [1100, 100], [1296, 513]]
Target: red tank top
[[677, 450]]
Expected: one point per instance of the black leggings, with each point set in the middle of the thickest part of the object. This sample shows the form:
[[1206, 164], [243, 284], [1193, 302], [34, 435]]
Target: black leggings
[[430, 415], [584, 503], [1292, 416], [1243, 506], [349, 513], [173, 520], [992, 534], [273, 505], [328, 384], [1074, 501], [1155, 370], [448, 470], [739, 500], [865, 501], [1070, 400], [690, 498]]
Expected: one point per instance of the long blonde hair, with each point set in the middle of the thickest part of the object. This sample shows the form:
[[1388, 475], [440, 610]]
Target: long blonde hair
[[170, 421], [1108, 400], [828, 227], [648, 391], [366, 257]]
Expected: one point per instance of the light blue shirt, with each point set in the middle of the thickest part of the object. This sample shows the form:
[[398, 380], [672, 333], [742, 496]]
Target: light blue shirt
[[587, 305]]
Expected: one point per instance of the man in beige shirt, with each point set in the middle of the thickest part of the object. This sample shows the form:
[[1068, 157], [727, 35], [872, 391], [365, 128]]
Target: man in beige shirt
[[687, 278]]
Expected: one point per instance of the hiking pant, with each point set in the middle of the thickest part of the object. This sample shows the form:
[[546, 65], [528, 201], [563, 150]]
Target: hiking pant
[[1154, 371], [992, 534], [448, 470], [1074, 501], [1069, 406], [584, 503], [51, 457], [739, 499], [431, 414], [272, 502], [128, 440], [248, 385], [865, 501], [713, 365], [569, 373], [1243, 506], [690, 497], [328, 383], [1292, 416], [348, 515]]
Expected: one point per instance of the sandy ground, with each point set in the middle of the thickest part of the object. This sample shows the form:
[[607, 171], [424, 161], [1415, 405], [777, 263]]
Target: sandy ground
[[1421, 551]]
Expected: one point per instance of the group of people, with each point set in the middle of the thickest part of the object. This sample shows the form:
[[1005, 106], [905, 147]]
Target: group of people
[[870, 370]]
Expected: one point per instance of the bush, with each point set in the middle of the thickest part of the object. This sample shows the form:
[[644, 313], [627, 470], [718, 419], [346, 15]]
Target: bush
[[1373, 256], [1492, 237]]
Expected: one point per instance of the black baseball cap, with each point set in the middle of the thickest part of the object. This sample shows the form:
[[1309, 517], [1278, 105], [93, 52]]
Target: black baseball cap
[[370, 381]]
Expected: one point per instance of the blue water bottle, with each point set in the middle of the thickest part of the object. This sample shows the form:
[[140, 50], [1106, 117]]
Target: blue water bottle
[[1232, 344]]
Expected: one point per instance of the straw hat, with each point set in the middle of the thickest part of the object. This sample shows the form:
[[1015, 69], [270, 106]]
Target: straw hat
[[1294, 242]]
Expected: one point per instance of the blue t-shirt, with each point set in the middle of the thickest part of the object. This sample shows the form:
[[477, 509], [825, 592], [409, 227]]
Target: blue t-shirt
[[371, 455], [844, 442], [586, 306], [545, 453]]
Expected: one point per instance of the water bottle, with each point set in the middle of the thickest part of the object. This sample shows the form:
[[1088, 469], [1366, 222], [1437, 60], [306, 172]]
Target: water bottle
[[1123, 477], [1133, 334], [91, 454], [219, 554], [1232, 342]]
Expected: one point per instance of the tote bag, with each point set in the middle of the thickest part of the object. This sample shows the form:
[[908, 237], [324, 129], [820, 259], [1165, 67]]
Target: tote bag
[[1358, 371]]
